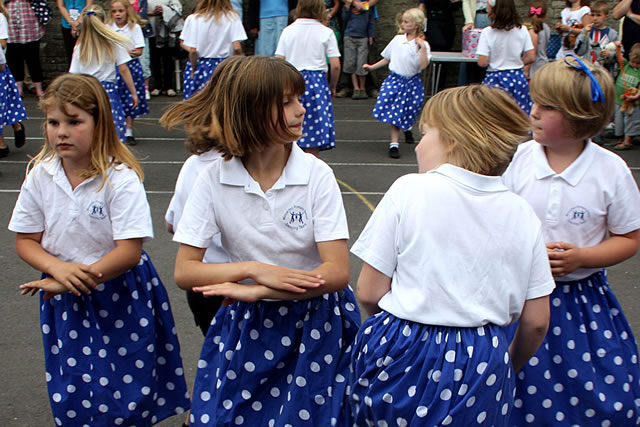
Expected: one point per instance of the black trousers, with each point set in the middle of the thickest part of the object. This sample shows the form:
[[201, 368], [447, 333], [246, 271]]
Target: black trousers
[[69, 43], [18, 54], [161, 65]]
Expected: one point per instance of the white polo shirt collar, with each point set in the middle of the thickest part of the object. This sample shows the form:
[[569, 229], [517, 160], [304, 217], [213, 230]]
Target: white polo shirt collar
[[472, 180], [571, 175], [297, 171], [55, 169]]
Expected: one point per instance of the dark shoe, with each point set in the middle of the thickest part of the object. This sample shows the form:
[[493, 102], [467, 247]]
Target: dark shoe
[[19, 137], [4, 152], [408, 137], [344, 93], [131, 140], [394, 152], [635, 140], [622, 147]]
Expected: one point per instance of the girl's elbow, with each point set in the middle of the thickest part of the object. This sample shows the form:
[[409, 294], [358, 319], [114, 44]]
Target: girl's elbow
[[181, 277]]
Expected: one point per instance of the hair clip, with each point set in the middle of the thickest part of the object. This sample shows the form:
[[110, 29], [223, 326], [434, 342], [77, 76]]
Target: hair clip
[[596, 90], [91, 12], [534, 11]]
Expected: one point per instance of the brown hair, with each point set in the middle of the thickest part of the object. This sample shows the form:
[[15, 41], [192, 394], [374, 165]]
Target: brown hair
[[601, 7], [635, 51], [537, 20], [480, 126], [503, 15], [311, 9], [582, 3], [214, 8], [567, 89], [86, 93], [234, 113]]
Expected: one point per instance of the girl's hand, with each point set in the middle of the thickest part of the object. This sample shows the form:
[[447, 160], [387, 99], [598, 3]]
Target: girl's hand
[[285, 279], [564, 258], [76, 278], [134, 96], [233, 292], [1, 68], [366, 67], [467, 27], [48, 284]]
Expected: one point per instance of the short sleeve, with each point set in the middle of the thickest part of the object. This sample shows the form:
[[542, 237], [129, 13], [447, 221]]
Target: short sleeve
[[528, 44], [187, 33], [483, 44], [195, 227], [622, 215], [138, 37], [28, 216], [332, 46], [282, 48], [541, 281], [377, 244], [388, 50], [121, 55], [75, 66], [129, 211], [237, 31], [4, 28], [329, 217]]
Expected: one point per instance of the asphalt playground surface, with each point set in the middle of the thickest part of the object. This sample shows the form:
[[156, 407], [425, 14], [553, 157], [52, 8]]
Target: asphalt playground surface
[[360, 163]]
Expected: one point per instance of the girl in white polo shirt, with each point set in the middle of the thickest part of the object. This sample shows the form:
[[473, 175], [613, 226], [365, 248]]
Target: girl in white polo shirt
[[278, 350], [212, 33], [401, 94], [98, 51], [505, 47], [124, 20], [306, 44], [450, 257], [111, 351], [586, 372]]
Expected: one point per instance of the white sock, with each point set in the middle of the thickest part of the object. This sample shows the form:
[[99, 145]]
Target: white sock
[[129, 132], [394, 144]]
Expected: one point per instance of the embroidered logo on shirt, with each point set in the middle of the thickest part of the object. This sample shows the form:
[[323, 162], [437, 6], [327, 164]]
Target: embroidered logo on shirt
[[578, 215], [96, 210], [295, 218]]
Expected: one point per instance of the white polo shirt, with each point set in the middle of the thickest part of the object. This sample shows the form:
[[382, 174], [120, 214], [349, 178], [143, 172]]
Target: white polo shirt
[[504, 48], [306, 44], [192, 167], [281, 226], [4, 32], [595, 195], [80, 225], [461, 249], [403, 56], [105, 71], [134, 34], [213, 38]]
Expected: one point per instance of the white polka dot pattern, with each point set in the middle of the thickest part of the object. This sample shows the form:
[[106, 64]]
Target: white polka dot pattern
[[116, 108], [515, 83], [11, 107], [318, 127], [125, 96], [204, 71], [399, 101]]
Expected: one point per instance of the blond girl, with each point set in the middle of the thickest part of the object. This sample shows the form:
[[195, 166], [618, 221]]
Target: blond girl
[[98, 52], [110, 347]]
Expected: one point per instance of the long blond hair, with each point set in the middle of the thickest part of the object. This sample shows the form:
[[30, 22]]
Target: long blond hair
[[97, 41], [214, 8], [3, 9], [132, 17], [86, 93]]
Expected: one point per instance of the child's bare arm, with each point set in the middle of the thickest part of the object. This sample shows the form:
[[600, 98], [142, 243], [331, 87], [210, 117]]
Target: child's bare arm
[[532, 327], [372, 286], [383, 62], [334, 63], [126, 76], [566, 258], [122, 258]]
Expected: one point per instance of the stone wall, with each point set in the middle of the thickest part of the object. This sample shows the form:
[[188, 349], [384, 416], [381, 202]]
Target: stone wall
[[53, 58]]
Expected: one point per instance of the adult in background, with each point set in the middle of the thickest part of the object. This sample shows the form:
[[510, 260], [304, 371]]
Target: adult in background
[[71, 11], [630, 10], [267, 19], [165, 17], [475, 16], [441, 29], [26, 28]]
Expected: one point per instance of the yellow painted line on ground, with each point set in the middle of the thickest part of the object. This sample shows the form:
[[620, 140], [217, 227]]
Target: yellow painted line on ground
[[360, 196]]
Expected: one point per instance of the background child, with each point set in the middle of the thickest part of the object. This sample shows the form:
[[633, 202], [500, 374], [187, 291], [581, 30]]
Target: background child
[[401, 94], [592, 42], [212, 33], [505, 47], [98, 52], [628, 122], [12, 110], [280, 351], [450, 257], [359, 32], [540, 34], [124, 20], [586, 371], [306, 44], [81, 218], [574, 18]]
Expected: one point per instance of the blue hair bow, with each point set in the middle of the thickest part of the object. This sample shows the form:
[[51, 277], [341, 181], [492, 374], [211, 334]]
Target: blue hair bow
[[91, 12], [596, 91]]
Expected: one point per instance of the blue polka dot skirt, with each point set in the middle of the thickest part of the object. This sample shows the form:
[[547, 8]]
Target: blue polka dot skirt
[[586, 370], [409, 374], [112, 357], [514, 82], [399, 101], [318, 127], [204, 71], [11, 107], [116, 108], [125, 95], [277, 363]]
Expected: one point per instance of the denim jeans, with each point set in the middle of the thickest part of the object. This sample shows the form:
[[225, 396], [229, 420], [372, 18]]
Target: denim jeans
[[269, 34]]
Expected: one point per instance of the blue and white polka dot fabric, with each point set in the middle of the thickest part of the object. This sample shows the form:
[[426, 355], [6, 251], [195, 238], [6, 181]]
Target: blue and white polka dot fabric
[[116, 108], [205, 68], [277, 363], [409, 374], [11, 107], [400, 100], [318, 127], [125, 95], [113, 357], [586, 370], [515, 83]]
